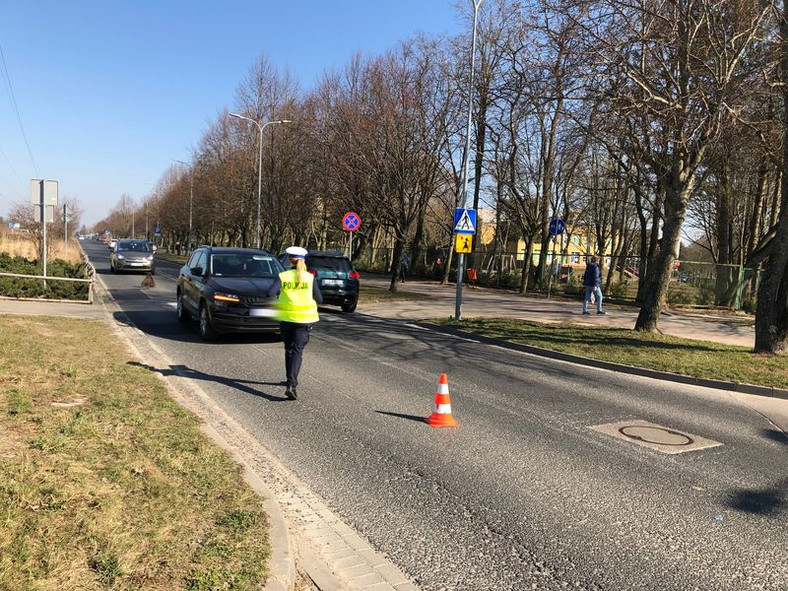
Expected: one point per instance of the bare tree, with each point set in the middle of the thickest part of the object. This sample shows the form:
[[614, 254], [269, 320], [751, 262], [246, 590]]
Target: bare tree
[[771, 318], [676, 68]]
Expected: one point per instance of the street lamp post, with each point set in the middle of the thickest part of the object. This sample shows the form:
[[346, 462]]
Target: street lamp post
[[191, 200], [260, 127], [464, 194]]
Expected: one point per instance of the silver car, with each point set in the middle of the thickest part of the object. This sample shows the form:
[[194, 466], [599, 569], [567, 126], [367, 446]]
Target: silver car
[[132, 255]]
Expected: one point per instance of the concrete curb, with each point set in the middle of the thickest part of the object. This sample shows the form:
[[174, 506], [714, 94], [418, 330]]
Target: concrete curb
[[767, 391]]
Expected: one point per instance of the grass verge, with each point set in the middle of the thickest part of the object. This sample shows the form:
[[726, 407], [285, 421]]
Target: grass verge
[[105, 482], [653, 351], [173, 258]]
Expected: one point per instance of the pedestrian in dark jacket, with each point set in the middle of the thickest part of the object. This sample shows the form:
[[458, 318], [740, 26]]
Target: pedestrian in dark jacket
[[592, 280]]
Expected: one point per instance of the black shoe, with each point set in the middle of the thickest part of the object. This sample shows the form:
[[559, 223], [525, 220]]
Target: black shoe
[[586, 313], [291, 393], [602, 313]]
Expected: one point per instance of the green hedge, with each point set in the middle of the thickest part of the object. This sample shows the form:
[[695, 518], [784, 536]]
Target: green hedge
[[17, 287]]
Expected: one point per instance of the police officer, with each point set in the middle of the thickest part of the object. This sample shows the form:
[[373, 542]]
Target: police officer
[[299, 296]]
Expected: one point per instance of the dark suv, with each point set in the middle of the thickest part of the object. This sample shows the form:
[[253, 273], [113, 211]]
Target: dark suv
[[335, 277], [226, 288]]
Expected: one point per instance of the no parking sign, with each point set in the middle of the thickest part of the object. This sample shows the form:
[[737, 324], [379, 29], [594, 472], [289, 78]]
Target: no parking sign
[[351, 222]]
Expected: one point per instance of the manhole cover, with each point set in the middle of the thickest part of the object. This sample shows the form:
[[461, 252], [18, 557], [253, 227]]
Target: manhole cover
[[657, 437]]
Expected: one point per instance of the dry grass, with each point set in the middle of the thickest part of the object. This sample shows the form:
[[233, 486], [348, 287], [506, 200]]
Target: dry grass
[[24, 245], [105, 482]]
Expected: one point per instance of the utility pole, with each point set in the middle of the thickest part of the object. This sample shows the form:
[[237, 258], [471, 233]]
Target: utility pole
[[65, 230]]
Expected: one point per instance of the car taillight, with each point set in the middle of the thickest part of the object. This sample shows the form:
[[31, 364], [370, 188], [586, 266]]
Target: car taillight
[[313, 272], [354, 275]]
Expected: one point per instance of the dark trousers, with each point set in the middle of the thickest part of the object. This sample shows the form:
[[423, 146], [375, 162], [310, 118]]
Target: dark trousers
[[295, 337]]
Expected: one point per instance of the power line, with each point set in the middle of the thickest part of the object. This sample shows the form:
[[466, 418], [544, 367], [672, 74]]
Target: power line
[[16, 110]]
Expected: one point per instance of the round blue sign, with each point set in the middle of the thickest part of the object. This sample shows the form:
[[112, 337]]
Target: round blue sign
[[351, 222], [557, 227]]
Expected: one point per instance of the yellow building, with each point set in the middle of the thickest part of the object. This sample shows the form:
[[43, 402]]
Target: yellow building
[[571, 248]]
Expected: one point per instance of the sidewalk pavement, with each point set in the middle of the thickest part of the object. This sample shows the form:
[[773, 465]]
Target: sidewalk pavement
[[481, 301], [94, 311]]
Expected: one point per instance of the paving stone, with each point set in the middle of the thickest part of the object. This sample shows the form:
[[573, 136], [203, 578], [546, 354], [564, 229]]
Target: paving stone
[[391, 574], [365, 581]]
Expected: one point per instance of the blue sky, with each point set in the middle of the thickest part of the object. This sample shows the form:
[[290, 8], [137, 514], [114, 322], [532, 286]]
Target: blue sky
[[109, 93]]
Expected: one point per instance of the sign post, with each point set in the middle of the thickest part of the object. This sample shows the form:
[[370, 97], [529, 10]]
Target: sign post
[[556, 227], [464, 228], [43, 194], [351, 222]]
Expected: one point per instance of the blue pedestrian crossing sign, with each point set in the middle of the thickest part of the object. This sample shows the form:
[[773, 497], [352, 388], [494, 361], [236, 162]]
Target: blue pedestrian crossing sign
[[465, 221]]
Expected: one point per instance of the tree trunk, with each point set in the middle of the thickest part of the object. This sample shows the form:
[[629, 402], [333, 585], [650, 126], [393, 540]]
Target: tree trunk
[[527, 265], [417, 251], [661, 266], [771, 315], [725, 275]]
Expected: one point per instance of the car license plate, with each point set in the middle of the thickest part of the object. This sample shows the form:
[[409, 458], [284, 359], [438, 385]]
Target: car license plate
[[135, 264], [332, 282], [263, 312]]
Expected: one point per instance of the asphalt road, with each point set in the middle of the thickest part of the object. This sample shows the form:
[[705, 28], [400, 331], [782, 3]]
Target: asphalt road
[[523, 494]]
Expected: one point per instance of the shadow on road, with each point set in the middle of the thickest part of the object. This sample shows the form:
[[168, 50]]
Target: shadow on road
[[402, 416], [776, 435], [241, 385], [766, 501], [163, 324]]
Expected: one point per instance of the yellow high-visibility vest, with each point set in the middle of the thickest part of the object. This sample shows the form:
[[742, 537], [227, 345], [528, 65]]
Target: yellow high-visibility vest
[[296, 303]]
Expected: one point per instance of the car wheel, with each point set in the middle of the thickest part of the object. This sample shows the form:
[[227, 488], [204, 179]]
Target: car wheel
[[349, 306], [207, 331], [183, 314]]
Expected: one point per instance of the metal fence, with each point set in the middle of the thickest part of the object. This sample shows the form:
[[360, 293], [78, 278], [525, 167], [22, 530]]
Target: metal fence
[[693, 283]]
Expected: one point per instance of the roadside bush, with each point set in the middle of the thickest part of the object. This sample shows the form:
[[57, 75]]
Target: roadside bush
[[509, 280], [683, 294], [17, 264], [619, 290], [574, 285], [705, 295], [18, 287], [748, 305]]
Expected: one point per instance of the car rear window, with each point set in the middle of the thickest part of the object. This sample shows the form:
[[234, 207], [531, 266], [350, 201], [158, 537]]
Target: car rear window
[[241, 265], [333, 263]]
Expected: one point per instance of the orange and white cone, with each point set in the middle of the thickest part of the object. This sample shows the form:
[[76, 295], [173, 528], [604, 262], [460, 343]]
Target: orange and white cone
[[441, 415]]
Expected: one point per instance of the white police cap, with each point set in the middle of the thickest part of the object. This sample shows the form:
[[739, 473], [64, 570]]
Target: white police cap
[[296, 252]]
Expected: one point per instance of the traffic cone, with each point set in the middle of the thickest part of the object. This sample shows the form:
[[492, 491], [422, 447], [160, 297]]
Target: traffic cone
[[441, 416]]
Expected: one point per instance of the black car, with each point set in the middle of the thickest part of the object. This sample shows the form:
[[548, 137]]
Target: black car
[[335, 277], [226, 289]]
